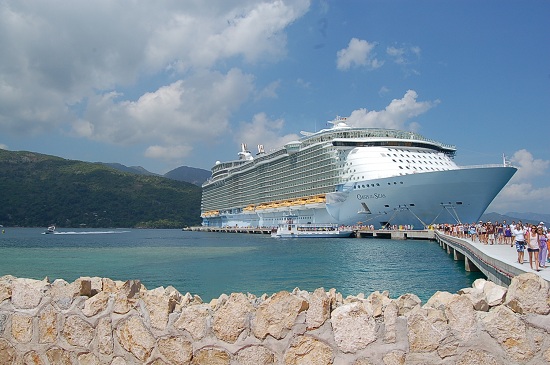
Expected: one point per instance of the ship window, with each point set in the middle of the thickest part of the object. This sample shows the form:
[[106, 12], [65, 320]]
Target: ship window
[[401, 167], [386, 205], [401, 182], [412, 204], [377, 184], [458, 203]]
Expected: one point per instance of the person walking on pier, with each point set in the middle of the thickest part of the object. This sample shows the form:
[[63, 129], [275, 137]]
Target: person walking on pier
[[543, 246], [532, 239], [519, 236]]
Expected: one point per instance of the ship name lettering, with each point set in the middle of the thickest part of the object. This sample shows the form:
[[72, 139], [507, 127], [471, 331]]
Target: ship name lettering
[[370, 196]]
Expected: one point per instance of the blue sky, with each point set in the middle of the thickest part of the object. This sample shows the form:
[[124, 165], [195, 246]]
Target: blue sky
[[170, 83]]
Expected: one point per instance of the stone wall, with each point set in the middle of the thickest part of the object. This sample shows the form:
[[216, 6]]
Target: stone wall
[[100, 321]]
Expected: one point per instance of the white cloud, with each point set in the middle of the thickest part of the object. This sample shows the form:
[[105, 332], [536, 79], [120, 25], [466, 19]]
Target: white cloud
[[521, 194], [171, 153], [263, 131], [270, 91], [185, 112], [3, 147], [404, 55], [528, 167], [395, 115], [66, 65], [356, 54]]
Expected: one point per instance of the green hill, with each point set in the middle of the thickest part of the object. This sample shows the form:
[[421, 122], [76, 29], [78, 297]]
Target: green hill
[[39, 190]]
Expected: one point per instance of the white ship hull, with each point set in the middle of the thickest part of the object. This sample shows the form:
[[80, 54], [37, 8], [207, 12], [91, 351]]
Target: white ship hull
[[418, 200], [350, 176]]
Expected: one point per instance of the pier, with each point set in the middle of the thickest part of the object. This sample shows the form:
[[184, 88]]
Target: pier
[[358, 232], [497, 262]]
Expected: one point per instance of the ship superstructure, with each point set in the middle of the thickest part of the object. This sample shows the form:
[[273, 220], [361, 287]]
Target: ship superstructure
[[349, 175]]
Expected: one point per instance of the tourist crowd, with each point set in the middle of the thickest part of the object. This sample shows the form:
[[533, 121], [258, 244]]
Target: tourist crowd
[[532, 237]]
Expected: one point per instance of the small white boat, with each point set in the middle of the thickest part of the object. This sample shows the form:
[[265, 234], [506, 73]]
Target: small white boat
[[288, 228], [50, 230]]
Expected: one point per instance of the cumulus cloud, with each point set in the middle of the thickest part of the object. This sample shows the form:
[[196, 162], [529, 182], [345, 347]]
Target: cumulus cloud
[[263, 131], [68, 65], [357, 54], [270, 91], [528, 166], [395, 115], [3, 146], [520, 194], [183, 112]]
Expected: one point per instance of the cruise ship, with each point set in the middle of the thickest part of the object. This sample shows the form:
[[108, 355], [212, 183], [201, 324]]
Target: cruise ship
[[351, 176]]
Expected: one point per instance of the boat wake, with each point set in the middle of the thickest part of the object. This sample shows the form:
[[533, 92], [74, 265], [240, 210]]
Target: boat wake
[[87, 232]]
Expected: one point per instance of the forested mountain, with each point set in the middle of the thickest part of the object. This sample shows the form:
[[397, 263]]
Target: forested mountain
[[39, 190], [189, 174]]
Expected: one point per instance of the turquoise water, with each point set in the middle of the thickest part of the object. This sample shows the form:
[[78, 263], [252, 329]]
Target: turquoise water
[[209, 264]]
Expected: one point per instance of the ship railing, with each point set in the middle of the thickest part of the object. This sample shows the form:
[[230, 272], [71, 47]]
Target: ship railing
[[482, 166]]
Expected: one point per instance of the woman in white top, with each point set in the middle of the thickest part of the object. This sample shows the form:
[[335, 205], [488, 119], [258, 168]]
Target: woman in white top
[[519, 236], [532, 239]]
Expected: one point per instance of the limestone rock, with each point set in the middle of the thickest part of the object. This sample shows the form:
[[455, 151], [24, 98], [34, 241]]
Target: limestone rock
[[211, 356], [95, 304], [439, 300], [109, 285], [7, 352], [159, 307], [104, 335], [377, 301], [477, 357], [83, 286], [88, 359], [58, 356], [232, 318], [511, 333], [5, 287], [21, 328], [78, 332], [134, 337], [479, 284], [176, 349], [255, 355], [390, 322], [118, 361], [494, 293], [461, 317], [62, 294], [427, 328], [528, 293], [394, 358], [194, 319], [354, 328], [277, 315], [27, 293], [478, 299], [319, 309], [408, 304], [97, 285], [308, 350], [47, 325], [32, 358]]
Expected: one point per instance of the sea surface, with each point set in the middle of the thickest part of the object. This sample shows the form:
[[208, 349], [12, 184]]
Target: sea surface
[[209, 264]]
